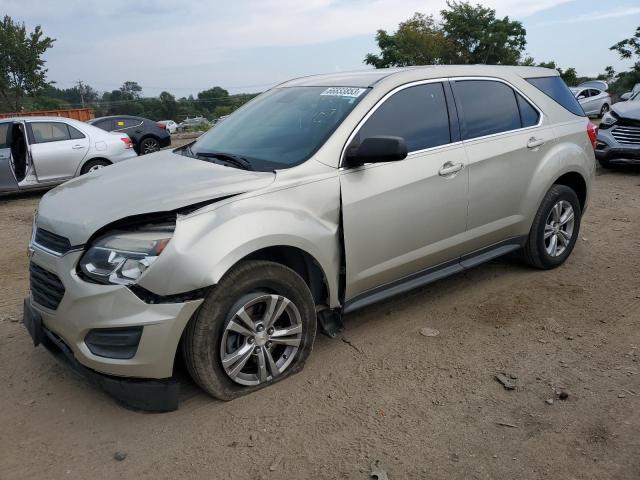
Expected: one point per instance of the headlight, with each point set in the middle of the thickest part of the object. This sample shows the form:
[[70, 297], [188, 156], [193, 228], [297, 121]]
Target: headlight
[[121, 257], [608, 119]]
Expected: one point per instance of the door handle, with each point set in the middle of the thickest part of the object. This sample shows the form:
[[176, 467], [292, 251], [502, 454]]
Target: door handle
[[449, 168], [535, 142], [77, 147]]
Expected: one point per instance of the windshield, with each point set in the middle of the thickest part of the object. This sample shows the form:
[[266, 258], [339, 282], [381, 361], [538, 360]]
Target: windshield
[[281, 128]]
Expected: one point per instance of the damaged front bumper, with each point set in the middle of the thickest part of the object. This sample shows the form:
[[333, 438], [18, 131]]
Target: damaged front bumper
[[121, 342], [152, 395]]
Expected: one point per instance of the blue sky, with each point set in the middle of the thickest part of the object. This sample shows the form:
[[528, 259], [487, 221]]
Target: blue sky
[[185, 46]]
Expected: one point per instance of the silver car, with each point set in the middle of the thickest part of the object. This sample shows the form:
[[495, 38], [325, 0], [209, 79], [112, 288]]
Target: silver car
[[40, 152], [593, 97], [619, 134], [319, 197]]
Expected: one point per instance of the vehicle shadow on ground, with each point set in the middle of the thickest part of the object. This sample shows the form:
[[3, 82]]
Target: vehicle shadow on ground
[[376, 317]]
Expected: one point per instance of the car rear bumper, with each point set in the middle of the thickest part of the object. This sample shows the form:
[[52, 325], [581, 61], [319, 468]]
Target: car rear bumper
[[128, 154]]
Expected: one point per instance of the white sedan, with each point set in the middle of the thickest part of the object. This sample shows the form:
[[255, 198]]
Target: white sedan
[[38, 152], [169, 125], [593, 97]]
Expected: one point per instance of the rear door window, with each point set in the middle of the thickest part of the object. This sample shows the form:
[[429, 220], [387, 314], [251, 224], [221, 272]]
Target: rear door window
[[44, 132], [417, 114], [555, 88], [122, 123], [4, 134], [488, 107], [106, 124]]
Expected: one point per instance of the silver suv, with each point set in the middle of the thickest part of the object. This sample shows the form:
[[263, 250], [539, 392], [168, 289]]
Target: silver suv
[[319, 197]]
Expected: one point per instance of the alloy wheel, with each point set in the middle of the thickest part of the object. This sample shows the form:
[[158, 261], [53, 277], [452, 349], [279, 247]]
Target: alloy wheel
[[261, 339], [150, 147], [558, 228], [95, 168]]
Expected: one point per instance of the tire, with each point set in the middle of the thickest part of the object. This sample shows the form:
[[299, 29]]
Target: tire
[[149, 145], [93, 165], [536, 251], [604, 109], [211, 334]]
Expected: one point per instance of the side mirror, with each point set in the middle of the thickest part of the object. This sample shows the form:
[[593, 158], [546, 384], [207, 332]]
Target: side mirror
[[376, 150], [581, 97]]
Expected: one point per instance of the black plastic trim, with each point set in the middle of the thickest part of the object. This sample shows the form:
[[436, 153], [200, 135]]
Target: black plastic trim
[[432, 274], [151, 395]]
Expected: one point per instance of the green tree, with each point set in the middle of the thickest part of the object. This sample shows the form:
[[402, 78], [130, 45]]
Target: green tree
[[628, 49], [480, 37], [22, 71], [418, 41], [169, 106], [131, 91], [467, 34]]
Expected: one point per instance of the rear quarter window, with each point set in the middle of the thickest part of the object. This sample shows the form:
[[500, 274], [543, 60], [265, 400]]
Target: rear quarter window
[[555, 88]]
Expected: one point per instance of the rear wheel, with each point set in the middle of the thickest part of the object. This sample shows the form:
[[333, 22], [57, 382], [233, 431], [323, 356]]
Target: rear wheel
[[149, 145], [254, 328], [94, 165], [604, 109], [555, 229]]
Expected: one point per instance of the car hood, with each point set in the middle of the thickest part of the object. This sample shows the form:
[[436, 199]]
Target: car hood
[[160, 182], [629, 110]]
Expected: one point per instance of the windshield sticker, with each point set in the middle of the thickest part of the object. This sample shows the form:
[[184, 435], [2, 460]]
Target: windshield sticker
[[344, 92]]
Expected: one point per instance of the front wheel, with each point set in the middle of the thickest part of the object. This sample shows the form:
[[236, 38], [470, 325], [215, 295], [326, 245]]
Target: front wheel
[[555, 229], [256, 327]]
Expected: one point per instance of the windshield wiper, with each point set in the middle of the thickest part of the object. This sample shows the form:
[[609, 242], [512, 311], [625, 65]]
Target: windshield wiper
[[231, 158]]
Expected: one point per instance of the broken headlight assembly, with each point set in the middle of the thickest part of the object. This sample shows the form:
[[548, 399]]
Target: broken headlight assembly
[[120, 257]]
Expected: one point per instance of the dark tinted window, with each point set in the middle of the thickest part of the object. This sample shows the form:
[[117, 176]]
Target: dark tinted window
[[528, 114], [44, 132], [104, 124], [4, 132], [487, 107], [593, 92], [127, 123], [74, 133], [555, 88], [418, 114]]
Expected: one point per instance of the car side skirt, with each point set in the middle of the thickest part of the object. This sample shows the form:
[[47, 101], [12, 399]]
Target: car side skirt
[[433, 274]]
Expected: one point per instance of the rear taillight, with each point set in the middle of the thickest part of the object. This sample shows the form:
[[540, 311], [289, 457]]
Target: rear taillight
[[592, 131], [127, 142]]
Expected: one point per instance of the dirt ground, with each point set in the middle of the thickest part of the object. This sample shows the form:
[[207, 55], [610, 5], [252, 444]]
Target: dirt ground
[[384, 394]]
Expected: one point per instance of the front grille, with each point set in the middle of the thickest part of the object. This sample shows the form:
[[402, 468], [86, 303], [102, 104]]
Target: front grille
[[628, 135], [46, 288], [53, 242]]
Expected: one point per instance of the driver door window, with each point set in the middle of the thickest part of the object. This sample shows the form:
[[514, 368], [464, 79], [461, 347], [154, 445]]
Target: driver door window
[[406, 198]]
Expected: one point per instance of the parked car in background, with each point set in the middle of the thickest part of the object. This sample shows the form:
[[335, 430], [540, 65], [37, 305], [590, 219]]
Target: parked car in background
[[37, 152], [218, 120], [170, 125], [626, 96], [322, 196], [593, 97], [619, 134], [147, 136], [194, 122]]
